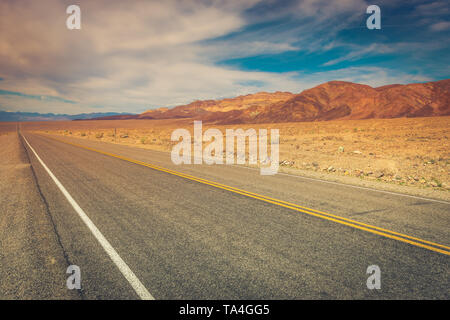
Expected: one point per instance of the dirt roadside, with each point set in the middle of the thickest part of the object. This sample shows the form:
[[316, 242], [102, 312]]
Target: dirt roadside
[[32, 262]]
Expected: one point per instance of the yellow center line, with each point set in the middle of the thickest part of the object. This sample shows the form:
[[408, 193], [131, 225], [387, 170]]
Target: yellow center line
[[316, 213]]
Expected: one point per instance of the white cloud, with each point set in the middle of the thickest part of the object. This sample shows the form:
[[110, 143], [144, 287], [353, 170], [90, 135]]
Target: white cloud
[[373, 76], [440, 26], [434, 8]]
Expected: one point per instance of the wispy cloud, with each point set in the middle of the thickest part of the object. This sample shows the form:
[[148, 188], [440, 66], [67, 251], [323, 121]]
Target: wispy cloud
[[35, 97], [441, 26]]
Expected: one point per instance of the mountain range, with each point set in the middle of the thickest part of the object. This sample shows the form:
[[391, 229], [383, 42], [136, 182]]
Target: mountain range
[[329, 101], [35, 116]]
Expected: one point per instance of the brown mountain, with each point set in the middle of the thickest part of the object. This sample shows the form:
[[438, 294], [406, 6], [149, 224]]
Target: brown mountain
[[328, 101], [207, 108], [346, 100]]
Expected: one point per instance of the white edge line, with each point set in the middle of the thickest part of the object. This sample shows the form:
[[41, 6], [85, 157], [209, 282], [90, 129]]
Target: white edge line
[[137, 285]]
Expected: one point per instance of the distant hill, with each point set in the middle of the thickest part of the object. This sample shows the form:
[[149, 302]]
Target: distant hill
[[329, 101], [34, 116], [346, 100]]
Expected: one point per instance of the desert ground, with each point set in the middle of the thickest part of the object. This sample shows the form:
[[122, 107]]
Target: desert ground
[[403, 151]]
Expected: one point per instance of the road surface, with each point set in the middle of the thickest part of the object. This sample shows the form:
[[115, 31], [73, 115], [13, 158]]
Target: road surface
[[137, 229]]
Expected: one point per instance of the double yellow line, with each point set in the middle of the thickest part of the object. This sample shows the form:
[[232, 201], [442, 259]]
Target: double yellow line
[[436, 247]]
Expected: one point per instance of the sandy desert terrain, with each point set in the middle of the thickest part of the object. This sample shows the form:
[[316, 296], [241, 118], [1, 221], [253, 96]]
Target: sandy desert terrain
[[403, 151]]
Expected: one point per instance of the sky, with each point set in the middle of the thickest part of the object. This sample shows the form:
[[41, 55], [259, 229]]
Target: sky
[[131, 56]]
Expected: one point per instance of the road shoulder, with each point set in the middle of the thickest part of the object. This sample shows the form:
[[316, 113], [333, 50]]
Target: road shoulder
[[33, 262]]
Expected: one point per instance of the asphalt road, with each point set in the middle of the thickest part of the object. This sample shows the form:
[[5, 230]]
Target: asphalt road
[[183, 239]]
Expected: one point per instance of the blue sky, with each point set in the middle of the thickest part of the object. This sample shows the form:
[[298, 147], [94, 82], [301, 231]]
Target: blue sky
[[409, 41], [138, 55]]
